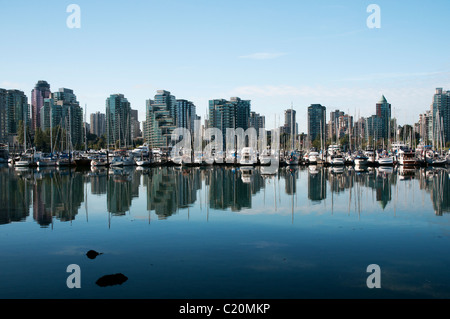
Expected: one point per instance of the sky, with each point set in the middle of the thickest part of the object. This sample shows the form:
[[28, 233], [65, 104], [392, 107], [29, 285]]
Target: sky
[[274, 53]]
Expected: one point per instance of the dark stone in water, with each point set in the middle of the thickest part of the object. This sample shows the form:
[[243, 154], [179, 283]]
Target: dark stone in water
[[111, 280], [92, 254]]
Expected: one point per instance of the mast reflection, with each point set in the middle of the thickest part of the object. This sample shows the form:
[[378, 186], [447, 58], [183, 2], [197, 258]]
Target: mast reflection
[[49, 194]]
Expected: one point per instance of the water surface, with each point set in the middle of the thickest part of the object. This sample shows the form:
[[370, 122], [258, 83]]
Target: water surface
[[223, 232]]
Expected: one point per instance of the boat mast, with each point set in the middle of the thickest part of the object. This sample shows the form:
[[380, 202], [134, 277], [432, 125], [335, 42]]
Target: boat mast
[[85, 129]]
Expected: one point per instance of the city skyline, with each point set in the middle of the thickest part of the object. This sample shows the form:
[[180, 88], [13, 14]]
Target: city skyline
[[321, 53]]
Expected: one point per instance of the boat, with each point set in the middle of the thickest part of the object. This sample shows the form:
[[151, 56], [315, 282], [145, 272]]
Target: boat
[[349, 159], [46, 160], [248, 157], [67, 160], [100, 161], [142, 150], [434, 159], [119, 161], [370, 154], [384, 159], [407, 158], [313, 157], [81, 159], [336, 160], [361, 160], [25, 161], [292, 158], [266, 157]]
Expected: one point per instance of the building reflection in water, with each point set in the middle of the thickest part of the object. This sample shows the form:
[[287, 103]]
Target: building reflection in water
[[54, 193], [15, 195], [317, 186]]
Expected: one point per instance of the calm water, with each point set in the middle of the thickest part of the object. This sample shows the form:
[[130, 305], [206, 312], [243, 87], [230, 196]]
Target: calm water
[[223, 233]]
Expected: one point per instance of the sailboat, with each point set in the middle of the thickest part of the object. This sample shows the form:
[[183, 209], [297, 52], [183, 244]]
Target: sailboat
[[26, 159], [46, 160]]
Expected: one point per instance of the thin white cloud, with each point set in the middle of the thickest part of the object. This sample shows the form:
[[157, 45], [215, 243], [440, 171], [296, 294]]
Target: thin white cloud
[[263, 56], [395, 75], [10, 85]]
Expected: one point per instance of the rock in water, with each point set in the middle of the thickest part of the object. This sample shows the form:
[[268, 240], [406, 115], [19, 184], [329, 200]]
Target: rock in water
[[92, 254], [111, 280]]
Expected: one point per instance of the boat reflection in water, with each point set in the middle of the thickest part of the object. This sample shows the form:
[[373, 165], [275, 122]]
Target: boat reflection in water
[[59, 193], [183, 232]]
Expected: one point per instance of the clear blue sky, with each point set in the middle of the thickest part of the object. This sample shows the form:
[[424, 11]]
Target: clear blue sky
[[271, 52]]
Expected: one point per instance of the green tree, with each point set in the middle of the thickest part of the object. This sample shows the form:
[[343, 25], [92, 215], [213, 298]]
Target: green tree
[[41, 140], [316, 143]]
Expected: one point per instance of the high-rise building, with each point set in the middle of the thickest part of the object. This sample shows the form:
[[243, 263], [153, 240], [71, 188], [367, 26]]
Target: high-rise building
[[316, 121], [383, 112], [18, 110], [50, 115], [118, 120], [3, 117], [440, 111], [223, 114], [98, 123], [40, 92], [68, 114], [185, 115], [135, 125], [160, 120], [290, 122], [373, 129], [359, 130], [426, 127], [257, 121], [333, 125]]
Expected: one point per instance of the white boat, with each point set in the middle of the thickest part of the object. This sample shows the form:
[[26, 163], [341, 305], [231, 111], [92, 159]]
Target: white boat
[[116, 161], [370, 154], [24, 161], [128, 161], [119, 161], [433, 159], [336, 160], [247, 157], [99, 161], [407, 158], [46, 161], [313, 157], [266, 157], [384, 159], [142, 150]]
